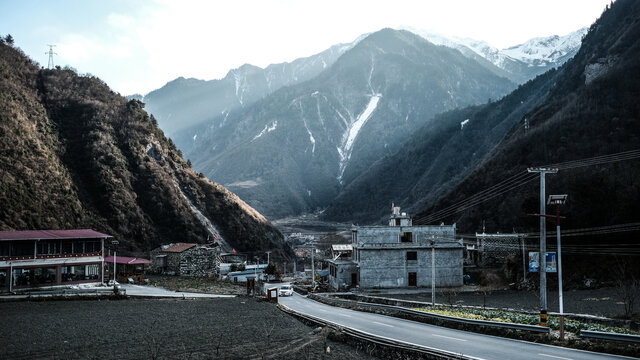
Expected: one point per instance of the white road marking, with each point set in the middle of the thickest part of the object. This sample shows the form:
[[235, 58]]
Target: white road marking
[[448, 337], [347, 315], [556, 357], [379, 323]]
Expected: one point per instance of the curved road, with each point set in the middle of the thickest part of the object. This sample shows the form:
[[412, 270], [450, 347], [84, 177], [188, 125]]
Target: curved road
[[466, 343]]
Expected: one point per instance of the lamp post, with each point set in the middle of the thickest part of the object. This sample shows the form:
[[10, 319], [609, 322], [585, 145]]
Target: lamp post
[[313, 271], [558, 200], [115, 246], [433, 273]]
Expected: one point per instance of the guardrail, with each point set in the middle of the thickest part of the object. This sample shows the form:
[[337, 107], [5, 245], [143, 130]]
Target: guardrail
[[601, 335], [380, 340], [496, 324]]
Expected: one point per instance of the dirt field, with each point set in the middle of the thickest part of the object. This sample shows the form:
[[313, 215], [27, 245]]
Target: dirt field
[[197, 284], [160, 329]]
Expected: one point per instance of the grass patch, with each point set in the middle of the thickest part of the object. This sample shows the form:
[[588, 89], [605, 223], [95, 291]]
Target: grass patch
[[570, 325]]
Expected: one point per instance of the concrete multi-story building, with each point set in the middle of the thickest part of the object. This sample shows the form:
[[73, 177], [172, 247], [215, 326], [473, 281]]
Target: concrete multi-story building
[[400, 255]]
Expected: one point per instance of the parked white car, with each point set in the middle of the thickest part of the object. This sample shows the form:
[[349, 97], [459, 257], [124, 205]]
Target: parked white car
[[285, 290]]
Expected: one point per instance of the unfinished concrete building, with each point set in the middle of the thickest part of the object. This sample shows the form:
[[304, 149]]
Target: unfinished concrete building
[[492, 250], [400, 255]]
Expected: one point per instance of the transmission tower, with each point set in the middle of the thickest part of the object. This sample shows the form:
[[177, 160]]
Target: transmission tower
[[51, 53]]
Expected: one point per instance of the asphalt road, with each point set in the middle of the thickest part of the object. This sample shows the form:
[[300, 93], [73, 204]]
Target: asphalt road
[[455, 341]]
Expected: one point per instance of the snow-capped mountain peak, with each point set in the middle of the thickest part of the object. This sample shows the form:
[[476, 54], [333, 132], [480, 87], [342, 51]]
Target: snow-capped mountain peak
[[540, 52], [549, 49]]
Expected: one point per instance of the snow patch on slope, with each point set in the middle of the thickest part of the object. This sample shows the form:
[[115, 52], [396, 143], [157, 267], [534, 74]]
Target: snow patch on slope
[[205, 222], [240, 88], [352, 134], [267, 129]]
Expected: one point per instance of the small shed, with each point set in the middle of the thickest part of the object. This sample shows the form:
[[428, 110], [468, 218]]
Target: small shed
[[186, 259], [126, 267]]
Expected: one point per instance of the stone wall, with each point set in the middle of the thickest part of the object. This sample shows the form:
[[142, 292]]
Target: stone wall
[[198, 261]]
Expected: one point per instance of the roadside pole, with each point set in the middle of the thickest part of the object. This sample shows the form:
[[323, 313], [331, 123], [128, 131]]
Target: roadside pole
[[115, 247], [433, 273], [560, 276], [313, 271], [558, 200], [543, 243]]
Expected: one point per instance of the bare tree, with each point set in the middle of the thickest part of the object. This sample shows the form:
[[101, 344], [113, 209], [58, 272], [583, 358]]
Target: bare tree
[[628, 286]]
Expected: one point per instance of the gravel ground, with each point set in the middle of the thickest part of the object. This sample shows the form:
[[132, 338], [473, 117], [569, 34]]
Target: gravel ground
[[600, 302], [228, 328]]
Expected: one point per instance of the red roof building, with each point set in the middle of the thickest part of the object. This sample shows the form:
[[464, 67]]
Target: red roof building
[[49, 258]]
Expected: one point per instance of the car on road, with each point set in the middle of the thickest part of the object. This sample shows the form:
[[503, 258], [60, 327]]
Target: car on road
[[285, 290]]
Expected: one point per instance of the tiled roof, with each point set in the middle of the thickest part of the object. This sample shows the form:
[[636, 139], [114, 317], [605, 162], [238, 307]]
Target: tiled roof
[[179, 247], [52, 234]]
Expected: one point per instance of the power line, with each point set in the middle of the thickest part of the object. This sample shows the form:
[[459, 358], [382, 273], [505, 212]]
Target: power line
[[520, 179], [598, 160], [503, 187]]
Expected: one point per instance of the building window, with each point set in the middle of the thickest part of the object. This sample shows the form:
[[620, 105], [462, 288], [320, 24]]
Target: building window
[[406, 237], [22, 248], [354, 236], [47, 247], [35, 276], [80, 272], [5, 248], [397, 222], [412, 255], [67, 246]]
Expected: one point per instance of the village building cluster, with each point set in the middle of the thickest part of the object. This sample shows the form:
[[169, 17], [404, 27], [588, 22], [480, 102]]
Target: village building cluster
[[397, 255]]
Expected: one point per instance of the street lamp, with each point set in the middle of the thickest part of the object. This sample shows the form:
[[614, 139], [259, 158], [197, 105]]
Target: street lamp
[[433, 272], [115, 246], [558, 200]]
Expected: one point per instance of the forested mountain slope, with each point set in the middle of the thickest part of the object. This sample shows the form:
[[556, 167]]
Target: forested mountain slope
[[73, 154]]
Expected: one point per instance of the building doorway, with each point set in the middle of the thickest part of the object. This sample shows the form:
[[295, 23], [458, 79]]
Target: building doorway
[[413, 279], [354, 279]]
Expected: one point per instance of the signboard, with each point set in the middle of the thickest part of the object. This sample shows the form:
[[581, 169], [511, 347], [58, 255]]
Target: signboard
[[534, 261]]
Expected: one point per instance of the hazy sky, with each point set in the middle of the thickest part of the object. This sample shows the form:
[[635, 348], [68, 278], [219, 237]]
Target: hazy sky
[[138, 46]]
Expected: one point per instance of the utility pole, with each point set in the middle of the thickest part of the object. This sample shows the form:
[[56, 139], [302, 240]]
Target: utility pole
[[558, 200], [433, 273], [268, 252], [543, 243], [524, 262], [115, 246], [313, 271], [50, 53]]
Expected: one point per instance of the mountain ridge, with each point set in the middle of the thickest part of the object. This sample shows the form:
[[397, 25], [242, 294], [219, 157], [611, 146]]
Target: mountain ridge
[[322, 132], [77, 155]]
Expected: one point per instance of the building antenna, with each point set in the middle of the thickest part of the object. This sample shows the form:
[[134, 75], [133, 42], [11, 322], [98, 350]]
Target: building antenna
[[51, 53]]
